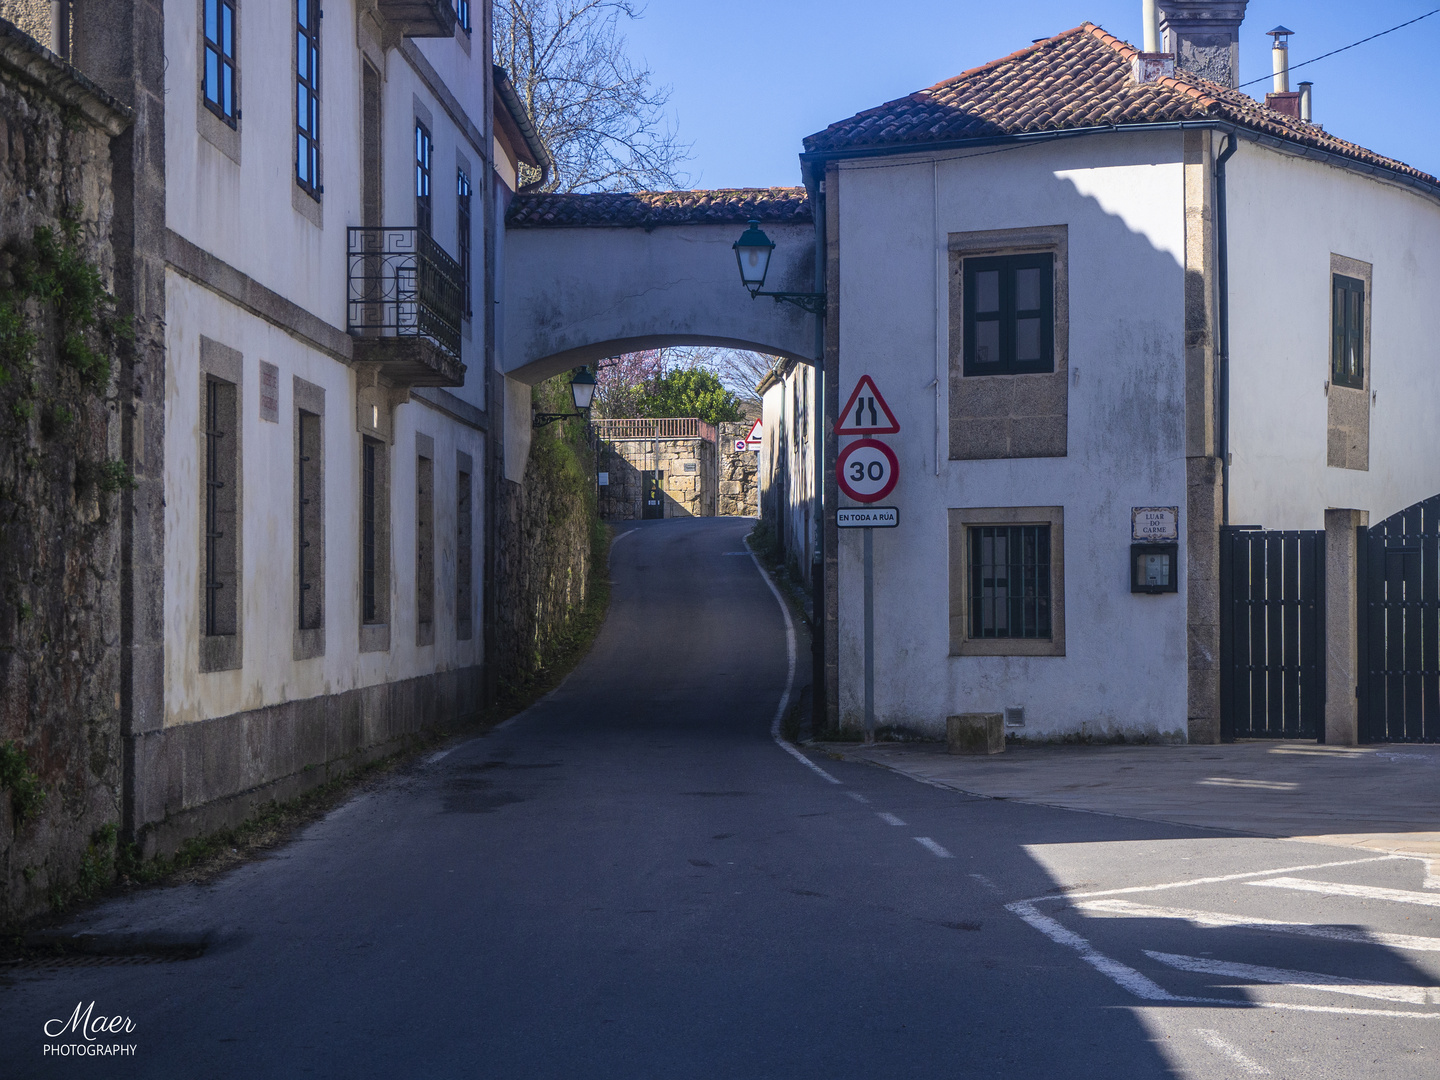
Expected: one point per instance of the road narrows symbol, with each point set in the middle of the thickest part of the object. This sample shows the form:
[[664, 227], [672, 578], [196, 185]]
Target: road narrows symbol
[[866, 412]]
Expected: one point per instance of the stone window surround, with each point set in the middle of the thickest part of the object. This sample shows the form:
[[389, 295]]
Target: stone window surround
[[375, 636], [961, 644], [310, 398], [464, 553], [222, 652], [968, 393], [1347, 406], [212, 129], [425, 504]]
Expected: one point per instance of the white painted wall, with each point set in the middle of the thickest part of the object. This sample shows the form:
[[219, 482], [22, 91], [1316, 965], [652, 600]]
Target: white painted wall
[[1287, 216], [243, 215], [1123, 202], [787, 462]]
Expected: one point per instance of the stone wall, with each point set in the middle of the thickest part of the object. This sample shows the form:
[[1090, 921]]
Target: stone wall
[[739, 475], [545, 528], [60, 662], [688, 474]]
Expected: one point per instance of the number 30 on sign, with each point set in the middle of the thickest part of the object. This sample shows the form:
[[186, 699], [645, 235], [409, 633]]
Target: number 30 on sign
[[867, 470]]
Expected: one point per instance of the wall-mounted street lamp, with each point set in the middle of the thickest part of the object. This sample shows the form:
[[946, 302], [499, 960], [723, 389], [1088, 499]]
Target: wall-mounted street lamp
[[752, 252], [582, 390]]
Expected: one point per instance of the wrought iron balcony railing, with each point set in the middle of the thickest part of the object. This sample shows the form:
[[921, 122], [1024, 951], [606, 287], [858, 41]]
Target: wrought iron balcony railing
[[403, 284]]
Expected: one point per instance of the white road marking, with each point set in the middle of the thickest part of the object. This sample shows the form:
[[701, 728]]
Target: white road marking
[[433, 758], [889, 819], [1214, 880], [1126, 977], [1129, 910], [1300, 980], [1243, 1061], [789, 676], [983, 880], [1368, 892], [857, 796], [622, 536], [1431, 881], [1256, 785], [932, 847]]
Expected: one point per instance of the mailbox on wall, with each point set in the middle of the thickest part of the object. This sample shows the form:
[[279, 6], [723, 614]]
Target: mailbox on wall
[[1154, 569]]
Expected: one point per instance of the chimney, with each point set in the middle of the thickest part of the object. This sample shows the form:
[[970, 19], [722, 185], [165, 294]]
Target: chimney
[[1204, 35], [1305, 114], [1151, 16], [1281, 99]]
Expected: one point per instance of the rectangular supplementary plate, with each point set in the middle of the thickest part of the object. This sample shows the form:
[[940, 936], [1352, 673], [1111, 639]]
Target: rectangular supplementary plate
[[867, 517]]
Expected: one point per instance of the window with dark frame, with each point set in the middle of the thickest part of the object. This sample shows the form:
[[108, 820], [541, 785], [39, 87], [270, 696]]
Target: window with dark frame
[[221, 551], [1347, 337], [1009, 314], [308, 475], [368, 607], [218, 77], [463, 531], [307, 96], [424, 540], [423, 147], [1010, 581], [462, 14], [463, 216]]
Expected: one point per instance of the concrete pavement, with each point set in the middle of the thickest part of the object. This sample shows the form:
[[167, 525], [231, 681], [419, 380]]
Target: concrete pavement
[[1383, 798]]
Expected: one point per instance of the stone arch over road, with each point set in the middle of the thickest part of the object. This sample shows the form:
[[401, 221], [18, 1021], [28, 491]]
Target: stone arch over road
[[591, 276]]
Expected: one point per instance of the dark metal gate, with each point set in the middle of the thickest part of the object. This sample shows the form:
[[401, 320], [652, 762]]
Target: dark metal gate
[[1272, 634], [652, 484], [1399, 626]]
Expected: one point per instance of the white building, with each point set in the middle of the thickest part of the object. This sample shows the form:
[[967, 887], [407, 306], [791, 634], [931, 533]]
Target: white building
[[1031, 262], [305, 228], [787, 461]]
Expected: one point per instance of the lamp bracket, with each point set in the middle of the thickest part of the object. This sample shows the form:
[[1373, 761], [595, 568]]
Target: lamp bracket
[[814, 303], [542, 419]]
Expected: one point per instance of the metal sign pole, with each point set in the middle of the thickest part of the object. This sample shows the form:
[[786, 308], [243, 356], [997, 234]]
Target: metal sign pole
[[869, 635]]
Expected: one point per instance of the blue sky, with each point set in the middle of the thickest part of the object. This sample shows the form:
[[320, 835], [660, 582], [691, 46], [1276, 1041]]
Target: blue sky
[[751, 78]]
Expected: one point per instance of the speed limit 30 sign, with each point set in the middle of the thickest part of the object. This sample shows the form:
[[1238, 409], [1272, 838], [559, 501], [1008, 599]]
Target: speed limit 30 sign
[[867, 470]]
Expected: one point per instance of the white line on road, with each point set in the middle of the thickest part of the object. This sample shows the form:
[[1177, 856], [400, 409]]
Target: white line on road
[[433, 758], [1129, 910], [889, 819], [789, 675], [1367, 892], [1213, 880], [1127, 977], [857, 796], [932, 847], [1243, 1061], [1431, 881], [622, 536], [1299, 980]]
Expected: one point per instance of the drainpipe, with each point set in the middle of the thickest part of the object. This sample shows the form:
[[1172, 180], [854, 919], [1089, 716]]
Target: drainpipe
[[1222, 273], [60, 28], [817, 452]]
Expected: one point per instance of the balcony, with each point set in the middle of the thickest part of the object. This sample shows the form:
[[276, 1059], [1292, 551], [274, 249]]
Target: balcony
[[406, 298], [419, 18]]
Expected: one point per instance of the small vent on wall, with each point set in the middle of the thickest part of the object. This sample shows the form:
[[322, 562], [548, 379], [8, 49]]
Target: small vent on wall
[[1015, 716]]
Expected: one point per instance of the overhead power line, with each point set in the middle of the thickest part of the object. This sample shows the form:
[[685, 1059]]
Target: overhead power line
[[1332, 52]]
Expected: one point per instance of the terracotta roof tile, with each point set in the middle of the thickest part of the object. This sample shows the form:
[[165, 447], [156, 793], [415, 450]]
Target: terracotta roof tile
[[647, 209], [1077, 79]]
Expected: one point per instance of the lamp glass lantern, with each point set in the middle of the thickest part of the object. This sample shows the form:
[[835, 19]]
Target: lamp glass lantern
[[752, 252], [582, 388]]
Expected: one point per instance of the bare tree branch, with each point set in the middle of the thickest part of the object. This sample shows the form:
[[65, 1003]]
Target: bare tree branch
[[601, 117]]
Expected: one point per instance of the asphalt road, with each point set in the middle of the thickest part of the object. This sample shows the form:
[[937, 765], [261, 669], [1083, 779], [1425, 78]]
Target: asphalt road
[[634, 880]]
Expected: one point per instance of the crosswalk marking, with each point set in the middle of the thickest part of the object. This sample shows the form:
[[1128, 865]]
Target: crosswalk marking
[[1187, 883], [1130, 910], [1300, 980], [1368, 892]]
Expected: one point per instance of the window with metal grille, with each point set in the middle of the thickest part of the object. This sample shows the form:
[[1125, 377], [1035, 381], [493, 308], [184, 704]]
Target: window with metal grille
[[1009, 315], [463, 216], [368, 529], [309, 534], [423, 147], [425, 546], [221, 536], [1347, 340], [1010, 581], [218, 77], [307, 96], [462, 14]]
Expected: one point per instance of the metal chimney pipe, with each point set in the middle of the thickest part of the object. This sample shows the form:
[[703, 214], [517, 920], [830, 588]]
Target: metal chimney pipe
[[1280, 58], [1150, 13], [1305, 88], [60, 28]]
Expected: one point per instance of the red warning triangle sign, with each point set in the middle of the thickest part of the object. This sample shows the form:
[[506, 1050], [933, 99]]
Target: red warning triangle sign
[[755, 433], [866, 412]]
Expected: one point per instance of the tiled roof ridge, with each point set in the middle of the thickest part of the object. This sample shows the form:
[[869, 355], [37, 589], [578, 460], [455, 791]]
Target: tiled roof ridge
[[650, 208], [1172, 82], [1034, 46]]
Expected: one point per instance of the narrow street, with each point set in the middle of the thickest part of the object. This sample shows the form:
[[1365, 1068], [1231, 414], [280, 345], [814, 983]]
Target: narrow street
[[632, 879]]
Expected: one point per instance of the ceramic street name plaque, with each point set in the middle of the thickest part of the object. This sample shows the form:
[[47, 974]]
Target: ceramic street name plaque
[[1152, 524], [269, 392]]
